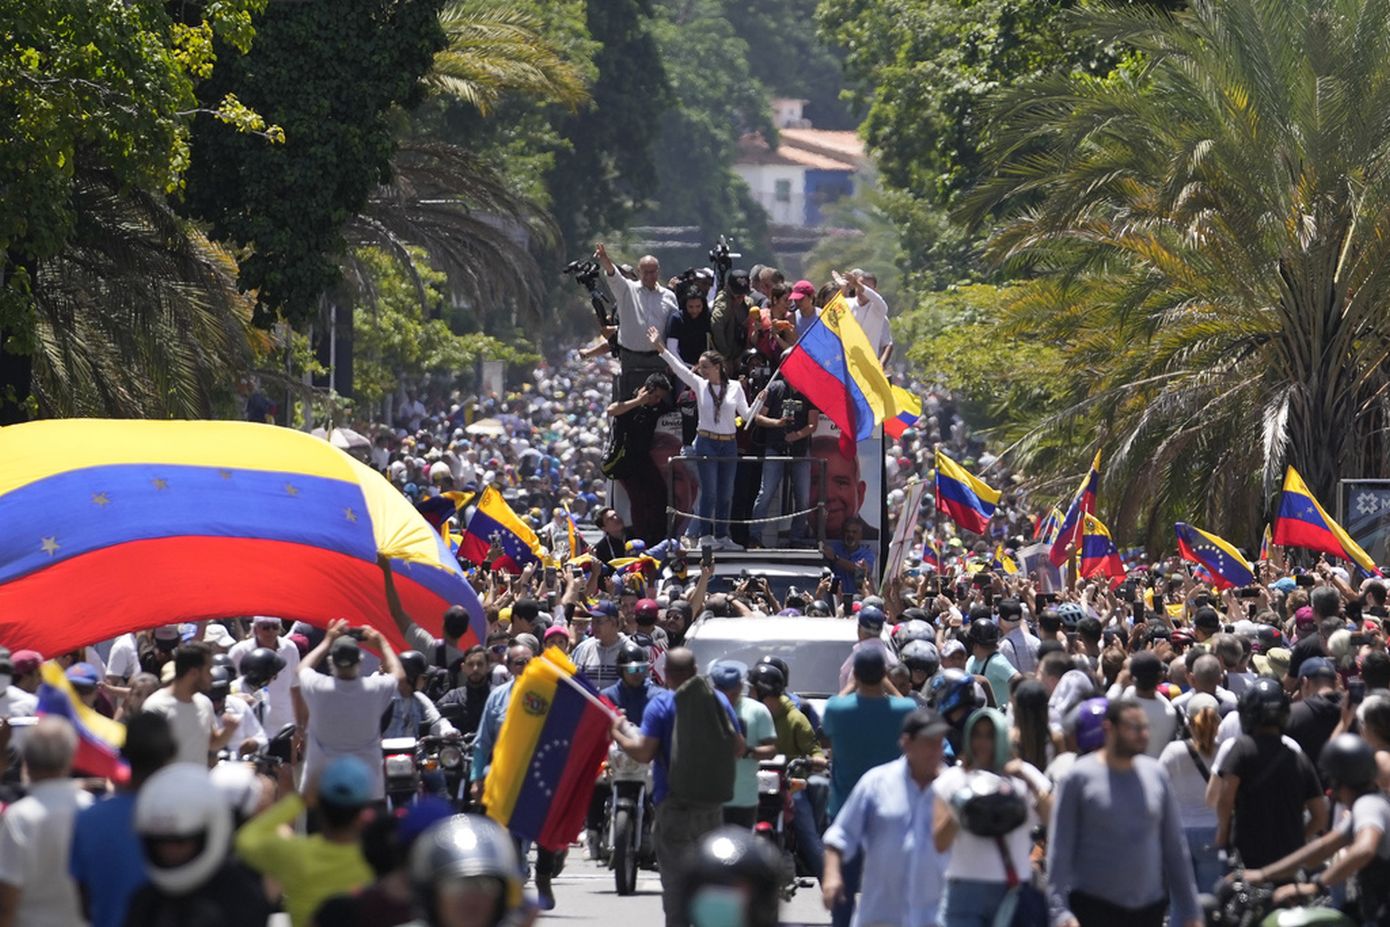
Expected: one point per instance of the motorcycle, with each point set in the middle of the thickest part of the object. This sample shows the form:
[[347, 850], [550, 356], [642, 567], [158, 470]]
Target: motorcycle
[[429, 765], [1238, 903], [778, 781], [630, 816]]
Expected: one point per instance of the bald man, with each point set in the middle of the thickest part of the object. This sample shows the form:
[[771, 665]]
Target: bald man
[[642, 303]]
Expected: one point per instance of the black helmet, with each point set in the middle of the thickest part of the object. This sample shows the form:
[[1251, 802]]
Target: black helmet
[[225, 661], [989, 805], [414, 664], [921, 655], [1265, 702], [820, 609], [984, 632], [914, 629], [221, 683], [260, 666], [632, 652], [767, 680], [465, 846], [732, 857], [1349, 761], [781, 665]]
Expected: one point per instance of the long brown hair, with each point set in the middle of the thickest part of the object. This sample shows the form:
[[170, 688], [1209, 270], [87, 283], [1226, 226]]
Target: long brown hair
[[1203, 725]]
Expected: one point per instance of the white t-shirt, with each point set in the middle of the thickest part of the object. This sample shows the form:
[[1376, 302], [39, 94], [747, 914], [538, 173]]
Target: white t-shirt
[[280, 705], [193, 723], [35, 841], [124, 658], [1189, 788], [345, 720], [977, 858], [1163, 718], [872, 316], [16, 703], [248, 727], [1371, 810]]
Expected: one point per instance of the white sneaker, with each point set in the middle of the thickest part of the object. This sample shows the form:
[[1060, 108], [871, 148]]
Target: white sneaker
[[709, 540], [727, 544]]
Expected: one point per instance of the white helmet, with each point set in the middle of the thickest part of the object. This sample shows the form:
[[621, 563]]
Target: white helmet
[[174, 804], [240, 786]]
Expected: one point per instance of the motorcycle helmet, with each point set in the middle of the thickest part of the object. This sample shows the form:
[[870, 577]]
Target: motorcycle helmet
[[465, 847], [632, 654], [921, 655], [223, 660], [414, 664], [820, 609], [240, 786], [1264, 703], [221, 683], [1086, 722], [914, 629], [732, 877], [988, 805], [260, 666], [1069, 613], [983, 633], [766, 680], [1349, 761], [954, 690], [174, 805], [781, 665]]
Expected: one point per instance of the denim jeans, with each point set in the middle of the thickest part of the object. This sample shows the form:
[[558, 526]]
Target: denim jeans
[[971, 903], [799, 472], [1206, 864], [808, 844], [716, 484]]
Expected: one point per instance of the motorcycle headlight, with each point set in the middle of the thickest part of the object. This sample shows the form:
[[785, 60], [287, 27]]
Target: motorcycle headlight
[[769, 782], [450, 757], [400, 765]]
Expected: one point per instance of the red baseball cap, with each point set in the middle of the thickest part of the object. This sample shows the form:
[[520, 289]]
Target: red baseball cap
[[647, 607], [25, 661], [803, 288]]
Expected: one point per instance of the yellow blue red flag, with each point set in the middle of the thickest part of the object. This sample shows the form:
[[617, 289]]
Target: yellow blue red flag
[[1227, 566], [1099, 555], [1302, 522], [489, 518], [969, 500], [99, 739]]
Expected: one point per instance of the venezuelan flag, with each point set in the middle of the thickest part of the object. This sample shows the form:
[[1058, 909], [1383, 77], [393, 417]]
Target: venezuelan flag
[[1003, 561], [116, 526], [1226, 565], [1070, 531], [491, 518], [909, 411], [99, 739], [834, 367], [931, 557], [1264, 546], [968, 500], [1099, 555], [1048, 526], [1302, 522], [548, 753]]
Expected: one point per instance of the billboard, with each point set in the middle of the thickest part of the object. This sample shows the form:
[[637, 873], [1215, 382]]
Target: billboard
[[1363, 508]]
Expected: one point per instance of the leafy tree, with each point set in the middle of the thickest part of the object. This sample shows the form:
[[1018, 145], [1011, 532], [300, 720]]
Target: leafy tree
[[790, 59], [1208, 228], [332, 74]]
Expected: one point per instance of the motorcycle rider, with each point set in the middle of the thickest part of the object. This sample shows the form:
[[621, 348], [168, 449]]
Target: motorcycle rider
[[410, 710], [634, 687], [464, 873], [795, 740], [731, 879], [247, 736], [259, 668], [463, 705], [1348, 767]]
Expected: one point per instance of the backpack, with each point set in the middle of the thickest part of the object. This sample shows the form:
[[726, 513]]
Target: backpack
[[702, 746]]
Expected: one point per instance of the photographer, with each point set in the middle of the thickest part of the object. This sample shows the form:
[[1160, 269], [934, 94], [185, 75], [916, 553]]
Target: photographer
[[785, 425], [729, 319], [642, 303], [629, 458]]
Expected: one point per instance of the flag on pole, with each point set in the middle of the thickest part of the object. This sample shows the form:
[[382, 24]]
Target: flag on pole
[[99, 739], [909, 411], [1264, 546], [931, 555], [1048, 526], [967, 499], [548, 753], [1302, 522], [1226, 565], [489, 518], [1070, 532], [1099, 555]]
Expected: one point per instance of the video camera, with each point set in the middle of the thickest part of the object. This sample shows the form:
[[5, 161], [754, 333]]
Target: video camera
[[722, 259], [586, 273]]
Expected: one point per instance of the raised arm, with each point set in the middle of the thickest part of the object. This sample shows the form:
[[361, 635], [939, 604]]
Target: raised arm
[[687, 376]]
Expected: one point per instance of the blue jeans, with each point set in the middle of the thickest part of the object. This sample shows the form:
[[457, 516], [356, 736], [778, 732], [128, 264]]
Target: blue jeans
[[808, 845], [773, 470], [716, 484], [1206, 864], [971, 903], [852, 873]]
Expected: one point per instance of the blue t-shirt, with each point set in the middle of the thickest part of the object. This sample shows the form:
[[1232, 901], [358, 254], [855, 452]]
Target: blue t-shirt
[[659, 721], [862, 554], [106, 857], [631, 699], [863, 734]]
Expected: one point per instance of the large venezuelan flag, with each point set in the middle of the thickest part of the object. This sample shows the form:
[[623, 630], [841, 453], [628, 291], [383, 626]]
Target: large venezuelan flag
[[548, 754], [489, 518], [1302, 522], [966, 498], [1226, 565], [99, 739], [115, 526], [1070, 532], [834, 366]]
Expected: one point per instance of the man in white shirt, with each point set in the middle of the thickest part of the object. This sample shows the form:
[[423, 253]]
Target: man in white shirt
[[197, 730], [283, 704], [871, 312], [123, 660], [36, 834], [14, 701], [1016, 642], [642, 304]]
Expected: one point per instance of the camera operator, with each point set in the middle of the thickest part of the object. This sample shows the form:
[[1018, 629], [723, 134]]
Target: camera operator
[[785, 424], [729, 318], [641, 304]]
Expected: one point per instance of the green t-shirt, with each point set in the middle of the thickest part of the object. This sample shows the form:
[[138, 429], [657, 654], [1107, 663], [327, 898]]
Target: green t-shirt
[[998, 670], [795, 736], [757, 730]]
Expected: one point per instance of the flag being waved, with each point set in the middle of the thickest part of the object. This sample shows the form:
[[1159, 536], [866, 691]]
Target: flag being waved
[[1082, 504], [909, 411], [1302, 522], [99, 739], [548, 753], [1226, 565], [835, 368], [1048, 526], [966, 498], [1265, 545], [1099, 555], [489, 518]]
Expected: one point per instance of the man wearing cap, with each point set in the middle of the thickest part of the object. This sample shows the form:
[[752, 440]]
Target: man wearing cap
[[1319, 707], [283, 703], [26, 670], [886, 822], [803, 297], [760, 737], [1016, 642], [871, 622], [313, 869], [646, 614], [1205, 624], [597, 655], [86, 682], [14, 701], [729, 317], [344, 707]]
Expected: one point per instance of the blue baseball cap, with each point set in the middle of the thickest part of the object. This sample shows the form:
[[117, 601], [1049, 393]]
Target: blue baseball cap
[[346, 782], [83, 674], [604, 609], [1317, 666], [871, 617], [727, 674]]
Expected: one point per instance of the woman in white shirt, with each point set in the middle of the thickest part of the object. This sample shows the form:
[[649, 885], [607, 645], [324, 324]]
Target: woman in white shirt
[[1189, 763], [721, 402]]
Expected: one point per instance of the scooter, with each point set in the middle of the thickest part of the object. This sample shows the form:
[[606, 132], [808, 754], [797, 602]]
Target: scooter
[[778, 781], [630, 817]]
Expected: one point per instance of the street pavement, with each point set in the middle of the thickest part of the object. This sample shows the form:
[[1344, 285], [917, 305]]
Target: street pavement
[[584, 895]]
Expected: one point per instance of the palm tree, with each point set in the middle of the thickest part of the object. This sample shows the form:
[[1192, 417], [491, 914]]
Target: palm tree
[[1206, 234]]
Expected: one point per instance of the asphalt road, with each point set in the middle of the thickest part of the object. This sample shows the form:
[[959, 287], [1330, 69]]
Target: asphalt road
[[584, 895]]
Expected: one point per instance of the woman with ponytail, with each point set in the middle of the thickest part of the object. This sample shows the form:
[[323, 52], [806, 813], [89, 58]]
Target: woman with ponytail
[[1188, 764]]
